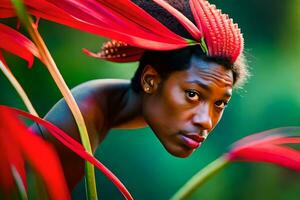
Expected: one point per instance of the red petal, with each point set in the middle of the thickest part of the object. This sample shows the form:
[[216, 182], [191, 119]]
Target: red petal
[[44, 160], [222, 36], [283, 156], [40, 155], [10, 153], [267, 137], [120, 20], [74, 146], [18, 44], [6, 13], [264, 147]]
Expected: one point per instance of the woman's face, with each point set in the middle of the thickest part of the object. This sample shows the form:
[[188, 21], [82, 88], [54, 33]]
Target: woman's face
[[183, 109]]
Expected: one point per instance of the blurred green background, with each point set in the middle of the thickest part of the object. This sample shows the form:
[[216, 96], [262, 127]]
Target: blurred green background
[[271, 99]]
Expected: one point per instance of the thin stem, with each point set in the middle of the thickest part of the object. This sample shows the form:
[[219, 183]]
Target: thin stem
[[200, 178], [52, 68], [18, 88]]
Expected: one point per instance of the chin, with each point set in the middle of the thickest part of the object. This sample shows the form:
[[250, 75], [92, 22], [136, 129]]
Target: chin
[[180, 152]]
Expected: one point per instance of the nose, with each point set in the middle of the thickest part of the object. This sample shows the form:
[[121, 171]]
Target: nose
[[202, 117]]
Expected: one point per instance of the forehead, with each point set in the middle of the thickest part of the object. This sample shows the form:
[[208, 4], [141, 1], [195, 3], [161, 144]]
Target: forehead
[[210, 72], [210, 76]]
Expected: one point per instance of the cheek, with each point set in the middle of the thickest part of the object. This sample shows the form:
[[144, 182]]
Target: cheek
[[165, 110], [216, 118], [175, 105]]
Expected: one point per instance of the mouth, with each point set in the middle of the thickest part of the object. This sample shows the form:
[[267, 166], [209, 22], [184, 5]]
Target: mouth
[[192, 140]]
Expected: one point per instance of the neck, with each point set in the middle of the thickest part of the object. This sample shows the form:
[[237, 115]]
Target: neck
[[130, 115]]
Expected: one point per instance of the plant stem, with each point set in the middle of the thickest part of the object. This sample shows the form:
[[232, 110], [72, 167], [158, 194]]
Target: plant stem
[[200, 178], [18, 88], [52, 68]]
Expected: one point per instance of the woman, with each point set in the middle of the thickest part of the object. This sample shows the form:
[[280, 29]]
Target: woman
[[180, 94]]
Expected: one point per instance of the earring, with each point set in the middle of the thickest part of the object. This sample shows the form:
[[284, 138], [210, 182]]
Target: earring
[[147, 89], [151, 82]]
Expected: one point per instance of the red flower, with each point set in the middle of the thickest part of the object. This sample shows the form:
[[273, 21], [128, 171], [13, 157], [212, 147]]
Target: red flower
[[124, 21], [120, 19], [270, 146], [18, 144], [70, 143], [16, 43]]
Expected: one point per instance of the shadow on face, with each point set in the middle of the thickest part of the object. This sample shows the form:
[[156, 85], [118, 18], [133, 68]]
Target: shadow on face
[[185, 107]]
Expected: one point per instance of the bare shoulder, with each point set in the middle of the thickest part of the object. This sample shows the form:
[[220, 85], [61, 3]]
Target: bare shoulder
[[104, 95], [98, 101], [100, 87]]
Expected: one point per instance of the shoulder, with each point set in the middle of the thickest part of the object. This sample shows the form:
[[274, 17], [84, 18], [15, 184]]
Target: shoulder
[[101, 86], [103, 97]]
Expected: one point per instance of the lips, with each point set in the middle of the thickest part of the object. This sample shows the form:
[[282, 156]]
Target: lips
[[192, 140]]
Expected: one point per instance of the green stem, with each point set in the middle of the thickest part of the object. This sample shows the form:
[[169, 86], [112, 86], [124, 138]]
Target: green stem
[[52, 68], [200, 178], [18, 88]]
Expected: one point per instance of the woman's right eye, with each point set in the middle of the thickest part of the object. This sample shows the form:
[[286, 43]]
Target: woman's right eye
[[192, 95]]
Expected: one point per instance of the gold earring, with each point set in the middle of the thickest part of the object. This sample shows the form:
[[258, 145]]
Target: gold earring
[[147, 89], [151, 82]]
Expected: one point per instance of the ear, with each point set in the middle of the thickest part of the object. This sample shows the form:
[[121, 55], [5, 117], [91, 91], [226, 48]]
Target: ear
[[150, 79]]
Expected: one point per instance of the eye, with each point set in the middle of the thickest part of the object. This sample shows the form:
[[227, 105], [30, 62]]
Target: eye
[[192, 95], [221, 104]]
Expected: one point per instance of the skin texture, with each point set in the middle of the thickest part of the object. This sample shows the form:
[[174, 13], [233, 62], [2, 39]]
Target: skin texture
[[186, 102]]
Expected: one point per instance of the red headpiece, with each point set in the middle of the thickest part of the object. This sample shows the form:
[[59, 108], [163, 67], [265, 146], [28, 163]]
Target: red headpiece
[[123, 20], [215, 32]]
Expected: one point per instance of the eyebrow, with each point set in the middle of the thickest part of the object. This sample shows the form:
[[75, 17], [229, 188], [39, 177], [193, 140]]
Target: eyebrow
[[207, 88]]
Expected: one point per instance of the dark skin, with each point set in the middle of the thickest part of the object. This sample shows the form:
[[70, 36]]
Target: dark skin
[[181, 110]]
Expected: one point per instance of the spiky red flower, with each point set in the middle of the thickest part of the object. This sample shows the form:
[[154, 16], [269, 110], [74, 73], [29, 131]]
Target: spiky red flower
[[122, 20], [270, 146]]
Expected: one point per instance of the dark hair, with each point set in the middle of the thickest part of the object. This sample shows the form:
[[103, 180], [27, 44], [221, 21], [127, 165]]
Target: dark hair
[[166, 62]]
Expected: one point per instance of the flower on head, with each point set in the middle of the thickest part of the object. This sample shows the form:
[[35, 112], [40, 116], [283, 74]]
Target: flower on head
[[125, 21]]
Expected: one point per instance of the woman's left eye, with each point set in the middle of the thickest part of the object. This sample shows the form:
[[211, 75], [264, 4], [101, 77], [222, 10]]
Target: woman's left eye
[[192, 95], [221, 104]]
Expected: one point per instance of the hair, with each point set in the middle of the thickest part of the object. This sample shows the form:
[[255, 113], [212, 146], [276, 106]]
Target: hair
[[166, 62]]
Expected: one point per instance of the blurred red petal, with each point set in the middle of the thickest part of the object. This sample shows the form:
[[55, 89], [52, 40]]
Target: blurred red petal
[[10, 153], [268, 146], [279, 155], [45, 162], [74, 146], [40, 155], [16, 43]]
